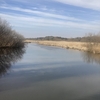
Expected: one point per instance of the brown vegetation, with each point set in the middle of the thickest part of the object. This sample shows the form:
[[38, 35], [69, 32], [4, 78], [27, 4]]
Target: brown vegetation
[[9, 37], [89, 43], [93, 43], [63, 44]]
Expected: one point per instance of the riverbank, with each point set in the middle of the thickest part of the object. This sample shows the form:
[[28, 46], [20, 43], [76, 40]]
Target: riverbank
[[82, 46], [63, 44]]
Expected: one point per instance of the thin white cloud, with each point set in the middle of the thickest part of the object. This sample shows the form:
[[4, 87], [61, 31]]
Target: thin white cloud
[[91, 4], [27, 21], [40, 13], [30, 18]]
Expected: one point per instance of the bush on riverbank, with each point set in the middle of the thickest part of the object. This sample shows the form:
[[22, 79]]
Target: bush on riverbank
[[8, 36], [93, 43]]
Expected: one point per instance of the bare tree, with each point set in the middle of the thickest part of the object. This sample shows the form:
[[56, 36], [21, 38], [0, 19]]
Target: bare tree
[[93, 42], [8, 36]]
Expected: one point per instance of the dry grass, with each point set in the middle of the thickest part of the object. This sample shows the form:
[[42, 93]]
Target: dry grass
[[64, 44]]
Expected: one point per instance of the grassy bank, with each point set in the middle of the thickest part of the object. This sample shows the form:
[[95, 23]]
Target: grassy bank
[[83, 46], [63, 44]]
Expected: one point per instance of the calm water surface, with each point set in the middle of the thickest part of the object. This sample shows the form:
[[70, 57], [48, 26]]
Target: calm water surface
[[49, 73]]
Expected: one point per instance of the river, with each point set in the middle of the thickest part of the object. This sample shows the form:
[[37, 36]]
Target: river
[[41, 72]]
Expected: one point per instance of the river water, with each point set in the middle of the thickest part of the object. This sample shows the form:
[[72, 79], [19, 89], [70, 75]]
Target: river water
[[49, 73]]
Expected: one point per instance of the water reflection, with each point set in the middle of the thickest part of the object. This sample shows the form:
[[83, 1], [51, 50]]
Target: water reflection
[[91, 58], [50, 75], [8, 57]]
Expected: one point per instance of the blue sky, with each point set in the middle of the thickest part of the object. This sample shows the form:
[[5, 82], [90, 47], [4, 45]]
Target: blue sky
[[66, 18]]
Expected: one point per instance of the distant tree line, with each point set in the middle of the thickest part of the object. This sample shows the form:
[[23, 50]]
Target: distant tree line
[[55, 38], [8, 36], [92, 41]]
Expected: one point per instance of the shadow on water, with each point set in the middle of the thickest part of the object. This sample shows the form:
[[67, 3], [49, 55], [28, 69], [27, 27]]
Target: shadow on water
[[91, 57], [9, 56]]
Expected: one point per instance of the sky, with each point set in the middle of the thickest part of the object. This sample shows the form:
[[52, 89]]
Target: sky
[[39, 18]]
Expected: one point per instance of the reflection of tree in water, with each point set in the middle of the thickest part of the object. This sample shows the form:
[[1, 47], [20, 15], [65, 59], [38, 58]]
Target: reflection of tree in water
[[91, 57], [9, 56]]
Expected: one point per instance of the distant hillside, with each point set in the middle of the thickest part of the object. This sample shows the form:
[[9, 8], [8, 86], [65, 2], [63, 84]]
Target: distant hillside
[[56, 38]]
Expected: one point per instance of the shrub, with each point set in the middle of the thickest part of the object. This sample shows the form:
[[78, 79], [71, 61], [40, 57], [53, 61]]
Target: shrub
[[8, 36]]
